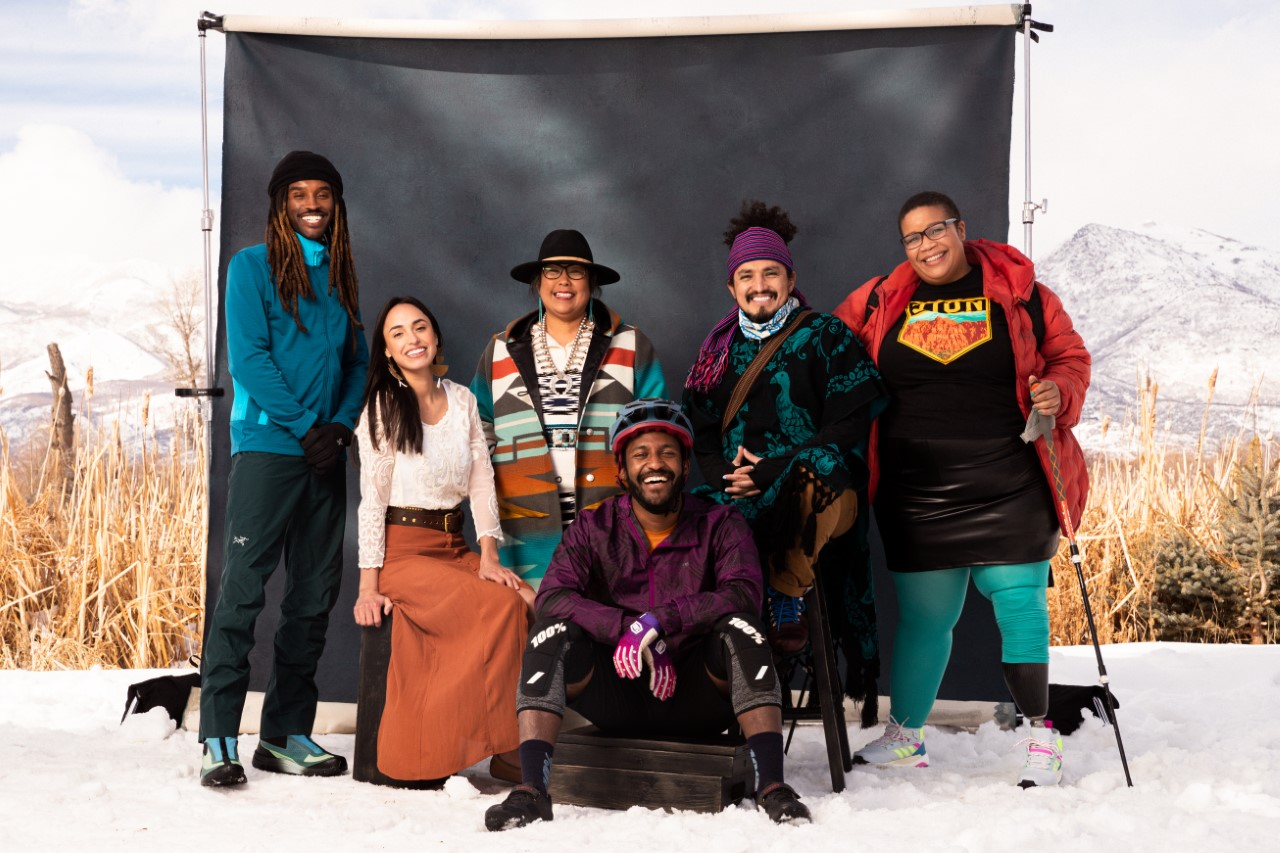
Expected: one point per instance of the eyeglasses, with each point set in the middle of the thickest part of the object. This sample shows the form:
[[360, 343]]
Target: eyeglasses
[[552, 272], [933, 232]]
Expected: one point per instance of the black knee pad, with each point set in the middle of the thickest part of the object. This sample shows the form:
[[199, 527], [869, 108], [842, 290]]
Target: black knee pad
[[753, 681], [549, 641]]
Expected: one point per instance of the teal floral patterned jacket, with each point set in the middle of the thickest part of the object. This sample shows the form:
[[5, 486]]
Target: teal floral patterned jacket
[[812, 406]]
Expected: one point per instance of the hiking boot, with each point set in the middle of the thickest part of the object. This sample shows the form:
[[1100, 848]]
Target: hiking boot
[[897, 747], [220, 767], [1043, 765], [788, 627], [522, 806], [300, 756], [782, 804]]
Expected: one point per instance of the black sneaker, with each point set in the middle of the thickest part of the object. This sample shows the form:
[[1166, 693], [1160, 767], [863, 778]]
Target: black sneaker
[[300, 756], [522, 806], [782, 804], [220, 767]]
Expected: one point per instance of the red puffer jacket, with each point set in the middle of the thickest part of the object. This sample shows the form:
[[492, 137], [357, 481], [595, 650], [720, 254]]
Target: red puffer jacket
[[1007, 278]]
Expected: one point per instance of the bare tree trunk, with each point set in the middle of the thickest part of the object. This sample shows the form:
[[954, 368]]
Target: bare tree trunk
[[62, 425]]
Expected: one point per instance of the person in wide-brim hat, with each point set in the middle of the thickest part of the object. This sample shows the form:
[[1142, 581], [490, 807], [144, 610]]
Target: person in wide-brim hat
[[564, 246], [544, 413]]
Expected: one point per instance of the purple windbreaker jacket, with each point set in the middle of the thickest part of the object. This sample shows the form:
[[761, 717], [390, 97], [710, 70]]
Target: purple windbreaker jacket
[[602, 575]]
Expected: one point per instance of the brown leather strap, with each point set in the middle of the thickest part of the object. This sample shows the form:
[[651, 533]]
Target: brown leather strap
[[748, 380], [445, 520]]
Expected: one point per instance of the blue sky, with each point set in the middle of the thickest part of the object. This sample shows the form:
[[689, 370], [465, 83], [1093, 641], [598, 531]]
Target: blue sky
[[1143, 111]]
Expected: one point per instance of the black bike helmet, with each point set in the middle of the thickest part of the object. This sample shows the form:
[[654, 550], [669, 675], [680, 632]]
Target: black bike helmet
[[650, 414]]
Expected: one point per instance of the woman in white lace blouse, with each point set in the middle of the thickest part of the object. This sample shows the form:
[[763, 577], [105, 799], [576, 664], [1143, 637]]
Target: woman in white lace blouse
[[460, 617]]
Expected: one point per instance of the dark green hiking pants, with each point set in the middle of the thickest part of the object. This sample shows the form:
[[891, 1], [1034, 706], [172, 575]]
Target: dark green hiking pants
[[275, 505]]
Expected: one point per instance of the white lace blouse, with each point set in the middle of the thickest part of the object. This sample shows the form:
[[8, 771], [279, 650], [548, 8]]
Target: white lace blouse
[[454, 464]]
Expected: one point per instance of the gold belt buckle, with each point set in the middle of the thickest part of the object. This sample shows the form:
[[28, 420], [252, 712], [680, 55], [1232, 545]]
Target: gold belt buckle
[[447, 517]]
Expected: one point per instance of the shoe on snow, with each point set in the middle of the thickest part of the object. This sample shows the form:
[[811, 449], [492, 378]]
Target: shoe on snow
[[899, 746], [300, 756], [220, 767], [523, 806], [782, 804], [1043, 765]]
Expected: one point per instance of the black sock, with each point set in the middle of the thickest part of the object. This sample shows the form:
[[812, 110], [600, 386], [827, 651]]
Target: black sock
[[535, 763], [766, 750], [1028, 684], [281, 742]]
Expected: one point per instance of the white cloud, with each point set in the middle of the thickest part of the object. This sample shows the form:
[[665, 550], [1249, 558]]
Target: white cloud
[[70, 213]]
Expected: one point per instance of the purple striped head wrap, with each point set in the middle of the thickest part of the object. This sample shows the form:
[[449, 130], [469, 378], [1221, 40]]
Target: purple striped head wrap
[[758, 244]]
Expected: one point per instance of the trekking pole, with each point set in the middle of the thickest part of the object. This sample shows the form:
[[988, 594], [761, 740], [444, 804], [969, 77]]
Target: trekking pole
[[1042, 425]]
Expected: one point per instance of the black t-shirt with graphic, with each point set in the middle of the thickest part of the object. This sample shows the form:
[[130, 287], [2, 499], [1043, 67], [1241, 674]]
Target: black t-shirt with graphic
[[949, 366]]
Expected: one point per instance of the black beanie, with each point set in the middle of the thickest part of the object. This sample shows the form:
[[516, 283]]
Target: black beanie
[[304, 166]]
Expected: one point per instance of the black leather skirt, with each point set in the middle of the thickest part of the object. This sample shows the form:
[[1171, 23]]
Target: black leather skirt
[[947, 503]]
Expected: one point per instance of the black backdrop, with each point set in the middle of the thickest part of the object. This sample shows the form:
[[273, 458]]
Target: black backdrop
[[458, 156]]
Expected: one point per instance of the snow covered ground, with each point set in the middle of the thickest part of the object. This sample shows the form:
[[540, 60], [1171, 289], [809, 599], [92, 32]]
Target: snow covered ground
[[1198, 722]]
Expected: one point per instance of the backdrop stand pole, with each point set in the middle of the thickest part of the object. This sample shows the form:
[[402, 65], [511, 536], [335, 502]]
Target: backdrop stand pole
[[204, 23], [1029, 207]]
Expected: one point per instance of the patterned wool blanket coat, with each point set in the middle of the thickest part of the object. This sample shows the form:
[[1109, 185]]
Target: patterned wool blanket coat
[[620, 366]]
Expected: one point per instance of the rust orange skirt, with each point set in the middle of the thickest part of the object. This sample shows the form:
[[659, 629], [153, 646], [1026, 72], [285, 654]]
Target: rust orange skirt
[[456, 643]]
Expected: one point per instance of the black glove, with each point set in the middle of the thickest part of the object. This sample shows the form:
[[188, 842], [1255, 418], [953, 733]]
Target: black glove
[[322, 446]]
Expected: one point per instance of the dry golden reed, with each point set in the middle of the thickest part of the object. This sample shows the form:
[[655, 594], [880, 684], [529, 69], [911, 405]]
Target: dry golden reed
[[105, 565], [102, 560], [1137, 503]]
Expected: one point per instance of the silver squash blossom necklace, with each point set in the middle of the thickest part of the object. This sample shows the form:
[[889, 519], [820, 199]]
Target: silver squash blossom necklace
[[577, 349]]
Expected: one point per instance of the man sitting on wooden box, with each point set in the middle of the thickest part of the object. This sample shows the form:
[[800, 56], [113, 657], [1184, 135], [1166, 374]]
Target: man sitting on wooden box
[[650, 578]]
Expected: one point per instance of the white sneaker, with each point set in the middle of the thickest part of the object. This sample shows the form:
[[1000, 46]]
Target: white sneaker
[[1044, 757], [897, 747]]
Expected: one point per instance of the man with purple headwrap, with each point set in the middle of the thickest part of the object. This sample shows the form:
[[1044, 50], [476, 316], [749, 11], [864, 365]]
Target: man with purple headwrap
[[791, 456]]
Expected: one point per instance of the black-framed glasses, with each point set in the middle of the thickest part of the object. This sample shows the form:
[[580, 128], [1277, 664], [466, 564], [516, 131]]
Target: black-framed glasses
[[551, 272], [933, 232]]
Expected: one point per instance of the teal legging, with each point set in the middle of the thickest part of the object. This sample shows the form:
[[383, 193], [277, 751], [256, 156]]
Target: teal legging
[[929, 606]]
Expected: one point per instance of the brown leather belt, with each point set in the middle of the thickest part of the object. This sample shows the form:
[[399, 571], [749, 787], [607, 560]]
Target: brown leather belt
[[446, 520]]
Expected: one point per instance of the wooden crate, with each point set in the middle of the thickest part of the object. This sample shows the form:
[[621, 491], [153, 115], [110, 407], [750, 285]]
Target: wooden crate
[[701, 775]]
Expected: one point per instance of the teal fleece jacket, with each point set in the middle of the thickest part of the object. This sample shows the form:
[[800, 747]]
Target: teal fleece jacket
[[286, 381]]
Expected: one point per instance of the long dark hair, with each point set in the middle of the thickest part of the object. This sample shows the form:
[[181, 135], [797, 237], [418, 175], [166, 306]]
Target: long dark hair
[[385, 397]]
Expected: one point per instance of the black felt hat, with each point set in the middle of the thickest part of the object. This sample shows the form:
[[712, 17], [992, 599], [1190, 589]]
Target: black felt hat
[[564, 246], [304, 166]]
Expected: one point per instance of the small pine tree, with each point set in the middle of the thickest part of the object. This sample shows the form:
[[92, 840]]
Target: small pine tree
[[1196, 597], [1251, 543]]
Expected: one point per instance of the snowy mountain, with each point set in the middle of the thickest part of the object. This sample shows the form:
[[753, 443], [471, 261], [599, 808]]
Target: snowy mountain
[[101, 322], [1174, 305]]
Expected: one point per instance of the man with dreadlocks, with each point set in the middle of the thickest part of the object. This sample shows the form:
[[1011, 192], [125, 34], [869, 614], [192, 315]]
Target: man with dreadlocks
[[297, 356], [781, 399]]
